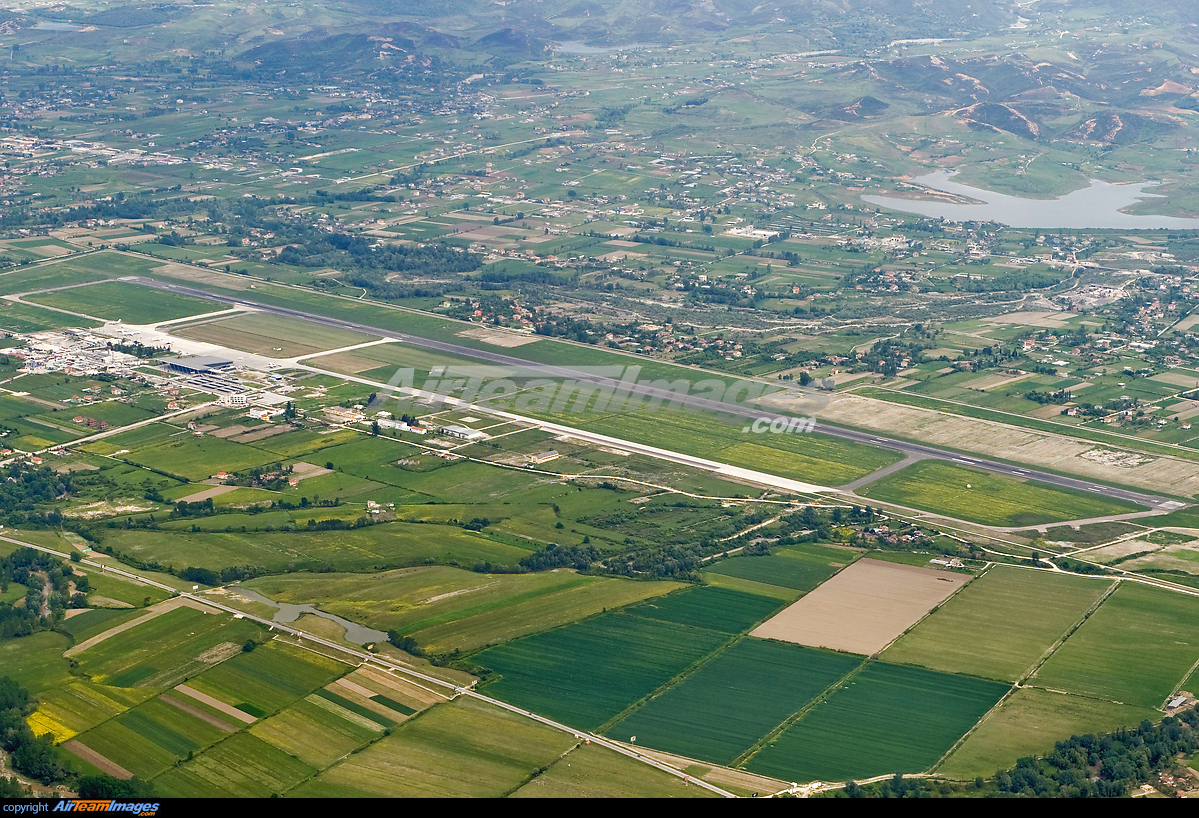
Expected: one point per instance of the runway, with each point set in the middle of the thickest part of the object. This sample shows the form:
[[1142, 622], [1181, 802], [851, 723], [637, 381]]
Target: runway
[[907, 448]]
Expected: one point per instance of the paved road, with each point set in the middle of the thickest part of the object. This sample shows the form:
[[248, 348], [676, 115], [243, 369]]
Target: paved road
[[907, 448]]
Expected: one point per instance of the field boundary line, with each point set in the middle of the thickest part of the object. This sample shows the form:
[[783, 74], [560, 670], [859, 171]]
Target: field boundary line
[[672, 682], [782, 727], [1061, 640], [931, 610], [1183, 680], [533, 776], [1011, 691]]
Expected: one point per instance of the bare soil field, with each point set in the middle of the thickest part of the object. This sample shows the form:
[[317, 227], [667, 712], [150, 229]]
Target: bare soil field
[[1032, 319], [1122, 549], [227, 709], [96, 760], [1176, 379], [198, 713], [345, 362], [302, 470], [863, 608], [498, 338], [1006, 442], [200, 496], [189, 273]]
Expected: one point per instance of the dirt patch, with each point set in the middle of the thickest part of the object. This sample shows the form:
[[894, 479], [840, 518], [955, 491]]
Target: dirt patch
[[227, 709], [198, 713], [497, 337], [263, 433], [230, 431], [345, 362], [863, 608], [104, 602], [1110, 457], [200, 496], [1122, 549], [71, 468], [302, 471], [96, 760], [104, 508], [219, 653], [188, 273]]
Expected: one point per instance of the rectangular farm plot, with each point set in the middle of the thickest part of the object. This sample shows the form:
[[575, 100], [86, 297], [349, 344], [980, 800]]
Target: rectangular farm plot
[[1135, 649], [158, 652], [148, 739], [271, 677], [886, 719], [1000, 624], [585, 674], [461, 748], [794, 568], [991, 499], [1030, 722], [316, 734], [723, 708], [863, 608], [720, 609], [240, 766], [594, 771], [71, 709]]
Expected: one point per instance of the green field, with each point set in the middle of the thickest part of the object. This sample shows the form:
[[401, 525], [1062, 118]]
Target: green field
[[125, 302], [932, 485], [998, 626], [813, 458], [36, 661], [272, 335], [585, 674], [198, 458], [800, 568], [375, 548], [593, 771], [886, 719], [161, 651], [463, 748], [268, 678], [1137, 648], [75, 707], [447, 608], [1029, 723], [723, 708], [316, 733], [151, 737], [19, 317], [719, 609], [241, 766]]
